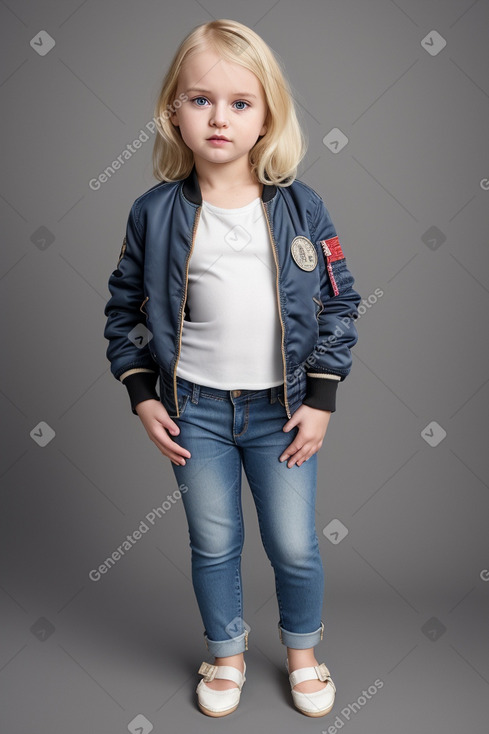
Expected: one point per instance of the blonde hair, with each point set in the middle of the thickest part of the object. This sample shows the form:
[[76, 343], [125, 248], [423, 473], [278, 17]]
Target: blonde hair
[[275, 157]]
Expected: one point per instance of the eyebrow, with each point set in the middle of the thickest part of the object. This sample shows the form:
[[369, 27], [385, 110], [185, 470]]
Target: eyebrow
[[233, 94]]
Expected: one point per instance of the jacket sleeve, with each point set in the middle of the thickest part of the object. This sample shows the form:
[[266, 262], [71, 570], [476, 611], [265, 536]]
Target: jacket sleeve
[[330, 361], [128, 351]]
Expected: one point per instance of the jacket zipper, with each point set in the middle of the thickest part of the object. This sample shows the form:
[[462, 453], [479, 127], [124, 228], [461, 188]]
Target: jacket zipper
[[320, 304], [142, 304], [182, 305], [279, 309]]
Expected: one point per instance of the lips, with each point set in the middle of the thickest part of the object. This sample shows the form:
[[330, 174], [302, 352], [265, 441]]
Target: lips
[[218, 137]]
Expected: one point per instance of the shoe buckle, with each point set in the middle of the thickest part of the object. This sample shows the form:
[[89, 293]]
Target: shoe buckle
[[322, 671], [208, 671]]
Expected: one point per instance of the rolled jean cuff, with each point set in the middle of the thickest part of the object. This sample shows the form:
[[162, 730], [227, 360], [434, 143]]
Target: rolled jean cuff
[[232, 646], [301, 641]]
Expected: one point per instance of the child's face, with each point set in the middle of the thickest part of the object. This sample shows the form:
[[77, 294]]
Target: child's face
[[219, 102]]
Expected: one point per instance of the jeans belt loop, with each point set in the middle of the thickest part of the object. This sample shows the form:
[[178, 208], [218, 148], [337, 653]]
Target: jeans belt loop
[[195, 392]]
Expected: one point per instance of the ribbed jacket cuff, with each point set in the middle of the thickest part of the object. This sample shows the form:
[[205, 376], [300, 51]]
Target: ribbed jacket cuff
[[321, 393], [141, 386]]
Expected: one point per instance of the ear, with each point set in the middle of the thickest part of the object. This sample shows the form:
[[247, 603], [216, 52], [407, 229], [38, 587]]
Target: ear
[[264, 127]]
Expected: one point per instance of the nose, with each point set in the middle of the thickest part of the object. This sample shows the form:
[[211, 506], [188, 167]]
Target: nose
[[219, 117]]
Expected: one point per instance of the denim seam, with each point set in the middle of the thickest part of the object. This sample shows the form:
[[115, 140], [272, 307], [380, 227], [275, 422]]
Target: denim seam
[[239, 516], [211, 397], [246, 420]]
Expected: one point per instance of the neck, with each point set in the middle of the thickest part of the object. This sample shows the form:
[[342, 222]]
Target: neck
[[224, 176]]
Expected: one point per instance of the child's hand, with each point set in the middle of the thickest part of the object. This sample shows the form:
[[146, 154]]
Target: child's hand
[[312, 424], [155, 419]]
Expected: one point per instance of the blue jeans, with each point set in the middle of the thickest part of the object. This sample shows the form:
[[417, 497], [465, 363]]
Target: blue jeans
[[222, 429]]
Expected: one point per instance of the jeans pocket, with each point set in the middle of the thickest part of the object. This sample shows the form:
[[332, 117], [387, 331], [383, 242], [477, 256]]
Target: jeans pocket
[[183, 405], [183, 398]]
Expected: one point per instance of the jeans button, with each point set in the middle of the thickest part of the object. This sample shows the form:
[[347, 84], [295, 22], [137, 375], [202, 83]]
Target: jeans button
[[236, 393]]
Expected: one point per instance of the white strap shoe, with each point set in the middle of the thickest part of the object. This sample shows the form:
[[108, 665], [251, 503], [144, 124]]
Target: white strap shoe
[[219, 703], [317, 703]]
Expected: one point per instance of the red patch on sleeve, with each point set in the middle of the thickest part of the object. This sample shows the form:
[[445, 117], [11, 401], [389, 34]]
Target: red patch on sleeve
[[332, 249]]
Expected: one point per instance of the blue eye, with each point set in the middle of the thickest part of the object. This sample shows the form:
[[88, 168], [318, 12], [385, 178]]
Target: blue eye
[[240, 102]]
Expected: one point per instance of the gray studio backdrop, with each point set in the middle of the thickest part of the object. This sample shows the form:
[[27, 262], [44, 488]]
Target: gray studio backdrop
[[394, 97]]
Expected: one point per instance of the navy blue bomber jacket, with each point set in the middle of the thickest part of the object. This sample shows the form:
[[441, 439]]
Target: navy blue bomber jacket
[[315, 298]]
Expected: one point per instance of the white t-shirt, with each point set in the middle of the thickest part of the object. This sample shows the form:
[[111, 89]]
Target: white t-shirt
[[232, 339]]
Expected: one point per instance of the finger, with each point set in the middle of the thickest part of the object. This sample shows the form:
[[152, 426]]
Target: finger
[[165, 443], [291, 450], [289, 425], [313, 449], [174, 458], [178, 462], [172, 427], [300, 455], [300, 441]]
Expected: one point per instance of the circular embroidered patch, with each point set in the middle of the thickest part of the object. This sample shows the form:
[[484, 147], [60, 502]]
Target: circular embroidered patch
[[304, 253]]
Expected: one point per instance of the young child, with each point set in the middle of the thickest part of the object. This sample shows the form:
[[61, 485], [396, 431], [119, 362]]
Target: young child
[[233, 289]]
